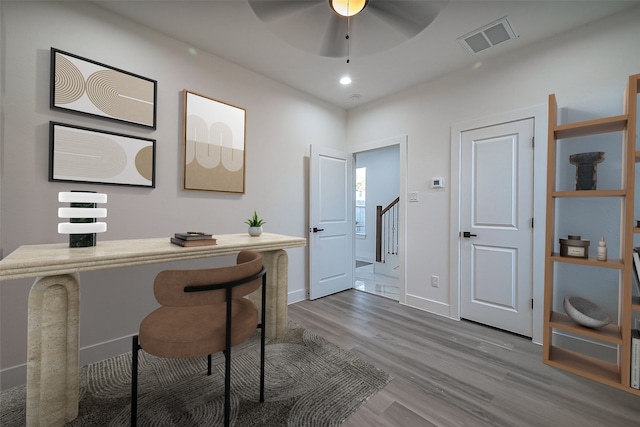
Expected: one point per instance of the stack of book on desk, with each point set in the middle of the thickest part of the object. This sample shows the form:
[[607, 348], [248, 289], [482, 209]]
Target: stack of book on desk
[[193, 238]]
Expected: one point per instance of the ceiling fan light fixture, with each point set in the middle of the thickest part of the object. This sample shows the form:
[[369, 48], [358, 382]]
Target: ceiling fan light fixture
[[345, 80], [348, 7]]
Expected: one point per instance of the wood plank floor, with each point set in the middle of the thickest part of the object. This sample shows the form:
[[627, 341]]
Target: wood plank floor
[[449, 373]]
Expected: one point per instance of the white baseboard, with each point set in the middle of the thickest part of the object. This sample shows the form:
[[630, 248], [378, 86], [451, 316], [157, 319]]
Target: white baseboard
[[17, 375], [105, 350], [296, 296], [435, 307], [13, 377]]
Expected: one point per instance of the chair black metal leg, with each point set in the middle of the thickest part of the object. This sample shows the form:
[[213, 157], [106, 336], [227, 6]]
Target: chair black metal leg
[[263, 328], [227, 389], [134, 381], [209, 364], [227, 365]]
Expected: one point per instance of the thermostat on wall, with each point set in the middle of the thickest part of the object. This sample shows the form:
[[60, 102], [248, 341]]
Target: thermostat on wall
[[437, 182]]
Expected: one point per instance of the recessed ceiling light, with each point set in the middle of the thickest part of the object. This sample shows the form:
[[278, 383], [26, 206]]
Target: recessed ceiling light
[[346, 80]]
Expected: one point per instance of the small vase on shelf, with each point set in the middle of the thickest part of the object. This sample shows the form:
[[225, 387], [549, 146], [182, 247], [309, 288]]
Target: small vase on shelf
[[255, 231]]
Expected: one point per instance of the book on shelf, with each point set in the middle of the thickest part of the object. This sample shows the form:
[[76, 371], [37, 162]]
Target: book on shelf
[[191, 243], [636, 271], [635, 359], [193, 235]]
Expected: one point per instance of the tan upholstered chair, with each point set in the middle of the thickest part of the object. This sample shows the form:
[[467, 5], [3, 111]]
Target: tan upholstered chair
[[203, 312]]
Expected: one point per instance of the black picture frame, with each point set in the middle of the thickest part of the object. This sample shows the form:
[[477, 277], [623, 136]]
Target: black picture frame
[[91, 156], [91, 88]]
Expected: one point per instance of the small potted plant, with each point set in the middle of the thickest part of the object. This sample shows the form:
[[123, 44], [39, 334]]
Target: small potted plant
[[255, 225]]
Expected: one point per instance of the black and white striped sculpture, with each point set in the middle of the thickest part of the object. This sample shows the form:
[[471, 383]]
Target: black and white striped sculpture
[[82, 213]]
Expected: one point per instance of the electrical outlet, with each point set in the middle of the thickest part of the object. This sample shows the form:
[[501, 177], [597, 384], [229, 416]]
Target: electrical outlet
[[435, 281]]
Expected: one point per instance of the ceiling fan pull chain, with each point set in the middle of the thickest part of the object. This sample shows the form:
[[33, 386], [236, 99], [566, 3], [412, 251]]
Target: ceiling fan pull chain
[[348, 50], [347, 37]]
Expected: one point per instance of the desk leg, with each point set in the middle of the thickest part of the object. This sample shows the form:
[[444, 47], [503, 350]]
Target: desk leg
[[52, 350], [277, 265]]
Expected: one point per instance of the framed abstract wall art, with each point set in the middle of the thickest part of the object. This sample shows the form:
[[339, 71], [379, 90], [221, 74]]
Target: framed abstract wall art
[[88, 87], [78, 154], [214, 145]]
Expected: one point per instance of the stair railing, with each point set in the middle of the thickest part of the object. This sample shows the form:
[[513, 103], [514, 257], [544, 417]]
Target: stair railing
[[387, 230]]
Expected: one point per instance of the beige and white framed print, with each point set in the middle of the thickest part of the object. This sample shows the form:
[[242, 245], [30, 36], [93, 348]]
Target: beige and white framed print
[[214, 145]]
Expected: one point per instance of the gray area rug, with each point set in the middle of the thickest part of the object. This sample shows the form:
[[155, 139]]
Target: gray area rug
[[308, 382]]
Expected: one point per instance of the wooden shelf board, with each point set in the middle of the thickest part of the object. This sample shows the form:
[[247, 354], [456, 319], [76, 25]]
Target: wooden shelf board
[[585, 366], [635, 303], [589, 193], [636, 230], [628, 389], [591, 261], [591, 127], [609, 333]]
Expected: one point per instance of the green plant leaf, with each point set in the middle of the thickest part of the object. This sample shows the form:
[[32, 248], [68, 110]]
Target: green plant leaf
[[255, 221]]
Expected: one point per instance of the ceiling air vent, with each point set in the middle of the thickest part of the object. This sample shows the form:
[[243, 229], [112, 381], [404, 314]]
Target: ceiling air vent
[[490, 35]]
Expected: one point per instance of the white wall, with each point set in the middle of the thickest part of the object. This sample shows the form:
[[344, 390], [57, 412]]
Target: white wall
[[586, 68], [383, 186], [281, 124]]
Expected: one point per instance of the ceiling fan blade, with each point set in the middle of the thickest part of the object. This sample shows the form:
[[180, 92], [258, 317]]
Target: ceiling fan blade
[[408, 17], [271, 10], [334, 42]]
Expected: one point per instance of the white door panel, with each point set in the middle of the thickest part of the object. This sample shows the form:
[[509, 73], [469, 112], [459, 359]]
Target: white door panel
[[496, 210], [498, 264], [331, 226], [493, 198]]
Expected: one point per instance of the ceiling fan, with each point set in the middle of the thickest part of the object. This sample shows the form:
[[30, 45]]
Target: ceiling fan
[[315, 27]]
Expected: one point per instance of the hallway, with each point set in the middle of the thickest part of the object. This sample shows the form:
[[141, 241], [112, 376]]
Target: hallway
[[367, 280]]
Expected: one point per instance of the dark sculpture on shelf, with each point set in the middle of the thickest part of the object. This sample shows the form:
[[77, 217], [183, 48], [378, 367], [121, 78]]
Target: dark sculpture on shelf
[[586, 169]]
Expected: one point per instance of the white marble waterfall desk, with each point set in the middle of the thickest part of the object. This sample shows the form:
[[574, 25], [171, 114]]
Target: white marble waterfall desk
[[54, 304]]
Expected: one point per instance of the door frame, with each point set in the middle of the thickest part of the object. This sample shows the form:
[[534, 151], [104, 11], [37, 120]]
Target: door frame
[[401, 141], [540, 119]]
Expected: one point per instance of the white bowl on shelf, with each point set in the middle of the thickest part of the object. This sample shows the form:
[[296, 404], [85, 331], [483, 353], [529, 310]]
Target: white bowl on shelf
[[585, 312]]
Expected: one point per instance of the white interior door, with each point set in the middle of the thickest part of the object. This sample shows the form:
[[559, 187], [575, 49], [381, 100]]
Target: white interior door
[[331, 226], [496, 239]]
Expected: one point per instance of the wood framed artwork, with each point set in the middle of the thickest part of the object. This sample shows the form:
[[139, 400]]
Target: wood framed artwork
[[88, 87], [78, 154], [214, 145]]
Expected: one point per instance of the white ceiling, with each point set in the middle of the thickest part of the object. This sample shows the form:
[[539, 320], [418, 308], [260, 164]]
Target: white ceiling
[[230, 29]]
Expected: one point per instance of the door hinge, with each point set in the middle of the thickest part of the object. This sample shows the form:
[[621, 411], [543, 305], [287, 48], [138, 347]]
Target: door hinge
[[531, 222], [533, 141], [531, 303]]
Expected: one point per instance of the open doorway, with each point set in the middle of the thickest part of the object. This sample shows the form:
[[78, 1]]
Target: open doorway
[[377, 189]]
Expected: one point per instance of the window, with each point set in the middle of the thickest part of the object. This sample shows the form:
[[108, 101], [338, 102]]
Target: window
[[361, 187]]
